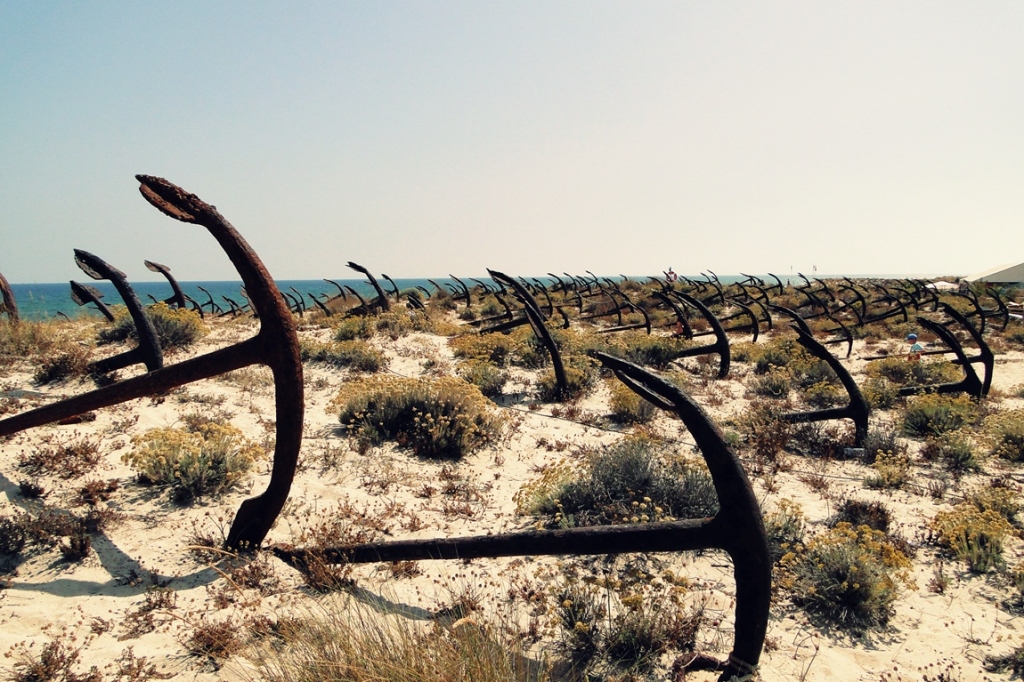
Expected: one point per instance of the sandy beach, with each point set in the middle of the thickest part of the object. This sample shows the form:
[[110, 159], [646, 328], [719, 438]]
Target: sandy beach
[[143, 591]]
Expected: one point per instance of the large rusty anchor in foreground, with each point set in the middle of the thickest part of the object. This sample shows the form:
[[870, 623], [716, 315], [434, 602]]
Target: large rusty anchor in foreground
[[737, 528], [275, 345]]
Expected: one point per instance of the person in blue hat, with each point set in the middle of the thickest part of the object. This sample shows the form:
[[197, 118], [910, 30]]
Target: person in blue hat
[[915, 348]]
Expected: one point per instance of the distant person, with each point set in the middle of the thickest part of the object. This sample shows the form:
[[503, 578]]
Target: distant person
[[915, 348], [671, 276]]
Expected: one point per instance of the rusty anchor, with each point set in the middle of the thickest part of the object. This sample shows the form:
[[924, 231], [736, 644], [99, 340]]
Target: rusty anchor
[[382, 298], [738, 527], [856, 410], [721, 344], [178, 297], [275, 345], [83, 294], [148, 351], [536, 320], [7, 303]]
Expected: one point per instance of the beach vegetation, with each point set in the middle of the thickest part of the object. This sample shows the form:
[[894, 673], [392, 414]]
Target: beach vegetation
[[627, 407], [774, 383], [934, 414], [356, 355], [785, 529], [849, 577], [204, 458], [631, 481], [176, 328], [72, 362], [1003, 433], [954, 450], [436, 418], [901, 371], [891, 471], [972, 535], [485, 376], [65, 458]]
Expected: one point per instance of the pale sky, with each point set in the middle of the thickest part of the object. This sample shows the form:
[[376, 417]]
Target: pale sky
[[428, 138]]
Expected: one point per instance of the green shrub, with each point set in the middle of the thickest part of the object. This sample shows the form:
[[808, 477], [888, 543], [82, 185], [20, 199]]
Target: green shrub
[[954, 450], [631, 482], [784, 529], [882, 438], [653, 351], [205, 458], [356, 355], [971, 535], [892, 470], [175, 327], [629, 408], [352, 328], [880, 393], [579, 381], [935, 414], [874, 515], [773, 384], [848, 577], [443, 418], [823, 394], [1003, 501], [904, 372], [73, 362], [485, 376], [496, 349], [764, 430], [1004, 434]]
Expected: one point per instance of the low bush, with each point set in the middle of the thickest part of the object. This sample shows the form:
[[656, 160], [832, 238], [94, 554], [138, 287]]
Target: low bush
[[627, 407], [848, 576], [972, 535], [935, 414], [954, 450], [773, 384], [999, 499], [72, 363], [357, 355], [631, 482], [352, 328], [904, 372], [857, 513], [175, 327], [882, 438], [764, 430], [496, 349], [777, 353], [1003, 432], [66, 459], [488, 378], [785, 529], [204, 458], [579, 381], [825, 440], [443, 418], [653, 351], [880, 393], [892, 470]]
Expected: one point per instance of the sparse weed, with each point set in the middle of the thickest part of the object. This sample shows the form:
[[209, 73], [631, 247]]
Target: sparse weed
[[356, 355], [63, 458]]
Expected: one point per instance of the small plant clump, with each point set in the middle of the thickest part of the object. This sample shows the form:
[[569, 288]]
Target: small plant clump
[[901, 371], [65, 459], [934, 414], [892, 471], [437, 418], [204, 458], [72, 363], [785, 529], [954, 450], [356, 355], [579, 381], [631, 482], [1004, 435], [485, 376], [848, 576], [176, 328], [629, 408], [972, 535]]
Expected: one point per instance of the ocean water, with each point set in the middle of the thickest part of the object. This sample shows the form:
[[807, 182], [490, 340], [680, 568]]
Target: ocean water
[[46, 301]]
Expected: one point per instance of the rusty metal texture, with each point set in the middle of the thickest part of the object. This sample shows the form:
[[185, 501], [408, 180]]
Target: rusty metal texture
[[178, 297], [148, 351], [721, 344], [83, 294], [7, 302], [275, 345], [738, 527], [857, 409], [382, 298]]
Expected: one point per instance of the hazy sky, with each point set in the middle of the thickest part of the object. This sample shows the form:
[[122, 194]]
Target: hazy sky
[[427, 138]]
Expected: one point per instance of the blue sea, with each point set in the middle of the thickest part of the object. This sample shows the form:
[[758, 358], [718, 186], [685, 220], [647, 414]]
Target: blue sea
[[45, 301]]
